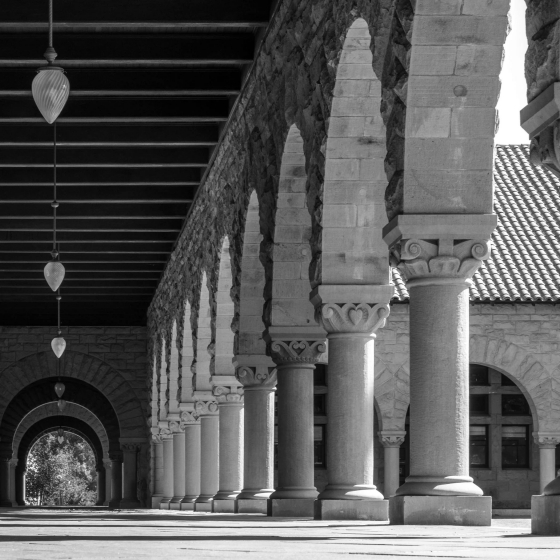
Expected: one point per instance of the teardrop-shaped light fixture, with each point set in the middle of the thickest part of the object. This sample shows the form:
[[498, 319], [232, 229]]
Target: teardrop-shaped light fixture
[[61, 404], [58, 346], [50, 89], [54, 274], [60, 436], [59, 389]]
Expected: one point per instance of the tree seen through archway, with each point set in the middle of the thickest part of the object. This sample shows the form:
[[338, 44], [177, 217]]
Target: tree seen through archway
[[61, 473]]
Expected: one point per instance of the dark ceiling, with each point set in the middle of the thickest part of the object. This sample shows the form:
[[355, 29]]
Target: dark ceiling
[[152, 84]]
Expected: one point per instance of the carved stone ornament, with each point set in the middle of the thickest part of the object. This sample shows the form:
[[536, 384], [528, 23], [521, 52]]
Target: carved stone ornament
[[545, 148], [352, 317], [175, 427], [166, 433], [206, 408], [297, 351], [228, 394], [439, 258], [188, 418], [256, 376], [129, 447], [547, 441], [391, 439], [156, 438], [107, 463]]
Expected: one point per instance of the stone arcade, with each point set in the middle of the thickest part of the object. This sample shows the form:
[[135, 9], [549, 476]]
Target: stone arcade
[[283, 223]]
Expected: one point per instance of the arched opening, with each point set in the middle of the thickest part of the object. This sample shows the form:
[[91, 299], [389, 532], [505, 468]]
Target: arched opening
[[204, 347]]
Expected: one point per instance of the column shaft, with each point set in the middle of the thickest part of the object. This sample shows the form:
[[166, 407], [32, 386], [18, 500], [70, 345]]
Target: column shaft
[[391, 467], [231, 450], [157, 473], [20, 486], [167, 472], [116, 483], [130, 480], [209, 456], [192, 465], [5, 482], [547, 456], [258, 464], [108, 483], [100, 485], [439, 391], [178, 470], [296, 477]]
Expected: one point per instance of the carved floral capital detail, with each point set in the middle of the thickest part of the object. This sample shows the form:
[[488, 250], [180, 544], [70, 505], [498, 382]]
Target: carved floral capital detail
[[547, 441], [188, 418], [352, 317], [545, 148], [254, 376], [228, 394], [297, 351], [129, 447], [206, 408], [391, 438]]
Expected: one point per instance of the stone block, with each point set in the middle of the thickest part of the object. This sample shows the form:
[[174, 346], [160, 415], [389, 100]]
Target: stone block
[[203, 506], [252, 506], [545, 515], [292, 507], [439, 7], [175, 505], [478, 60], [441, 510], [473, 123], [224, 506], [428, 122], [362, 510], [187, 506]]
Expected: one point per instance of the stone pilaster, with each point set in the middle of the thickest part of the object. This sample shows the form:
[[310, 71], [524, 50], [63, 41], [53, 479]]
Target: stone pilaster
[[437, 256], [391, 441], [5, 482], [207, 411], [167, 439], [101, 485], [351, 330], [257, 374], [130, 478], [295, 350], [107, 463], [191, 425], [116, 480]]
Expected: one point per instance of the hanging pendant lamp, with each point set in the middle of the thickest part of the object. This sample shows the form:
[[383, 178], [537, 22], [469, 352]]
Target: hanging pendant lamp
[[59, 389], [60, 436], [58, 344], [50, 87]]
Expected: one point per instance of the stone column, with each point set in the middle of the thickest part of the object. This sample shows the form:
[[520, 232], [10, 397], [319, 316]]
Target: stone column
[[191, 424], [296, 359], [13, 483], [5, 482], [391, 441], [167, 470], [547, 443], [100, 469], [116, 480], [351, 327], [108, 481], [130, 478], [258, 376], [178, 468], [20, 486], [437, 256], [157, 470], [209, 454], [230, 472]]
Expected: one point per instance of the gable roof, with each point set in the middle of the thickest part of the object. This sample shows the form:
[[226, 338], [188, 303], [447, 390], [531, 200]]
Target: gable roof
[[525, 261]]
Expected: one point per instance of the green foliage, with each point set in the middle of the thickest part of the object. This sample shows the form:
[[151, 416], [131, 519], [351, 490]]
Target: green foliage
[[61, 473]]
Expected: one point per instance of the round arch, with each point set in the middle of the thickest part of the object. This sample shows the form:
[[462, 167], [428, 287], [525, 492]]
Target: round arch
[[41, 392], [106, 380]]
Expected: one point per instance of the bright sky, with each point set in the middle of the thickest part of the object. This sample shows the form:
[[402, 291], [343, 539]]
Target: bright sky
[[513, 96]]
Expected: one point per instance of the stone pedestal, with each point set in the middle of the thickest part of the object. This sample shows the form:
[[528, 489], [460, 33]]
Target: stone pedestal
[[363, 510], [130, 481], [441, 510], [351, 339], [178, 470], [100, 485], [296, 359], [116, 481], [167, 470], [258, 376], [230, 410], [438, 255], [209, 454], [5, 482], [545, 515], [391, 441], [191, 424]]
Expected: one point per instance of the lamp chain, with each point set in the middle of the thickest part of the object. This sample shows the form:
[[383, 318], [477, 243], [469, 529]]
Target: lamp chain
[[54, 203], [51, 23]]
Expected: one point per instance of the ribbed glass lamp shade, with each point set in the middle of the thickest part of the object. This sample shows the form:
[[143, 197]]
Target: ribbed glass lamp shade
[[59, 388], [58, 345], [50, 89], [61, 405], [54, 274], [60, 436]]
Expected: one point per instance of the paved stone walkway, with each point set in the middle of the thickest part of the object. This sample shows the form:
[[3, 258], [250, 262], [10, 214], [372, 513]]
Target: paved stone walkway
[[110, 535]]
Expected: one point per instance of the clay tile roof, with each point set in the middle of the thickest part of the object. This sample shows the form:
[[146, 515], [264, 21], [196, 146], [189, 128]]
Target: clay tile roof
[[525, 260]]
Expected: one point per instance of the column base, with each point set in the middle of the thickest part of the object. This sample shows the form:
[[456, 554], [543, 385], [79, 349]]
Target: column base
[[545, 515], [224, 506], [252, 506], [164, 503], [6, 504], [291, 507], [339, 492], [187, 506], [364, 510], [130, 504], [175, 505], [441, 510], [116, 504], [155, 501], [203, 506]]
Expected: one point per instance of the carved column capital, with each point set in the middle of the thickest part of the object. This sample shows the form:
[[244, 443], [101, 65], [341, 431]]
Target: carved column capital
[[546, 440], [352, 317], [225, 395], [166, 433], [206, 408], [156, 438], [297, 351], [439, 249], [189, 418], [391, 438], [254, 377], [129, 447]]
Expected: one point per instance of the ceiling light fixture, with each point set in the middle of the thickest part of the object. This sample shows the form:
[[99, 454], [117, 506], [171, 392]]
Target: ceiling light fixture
[[60, 436], [58, 344], [50, 87]]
